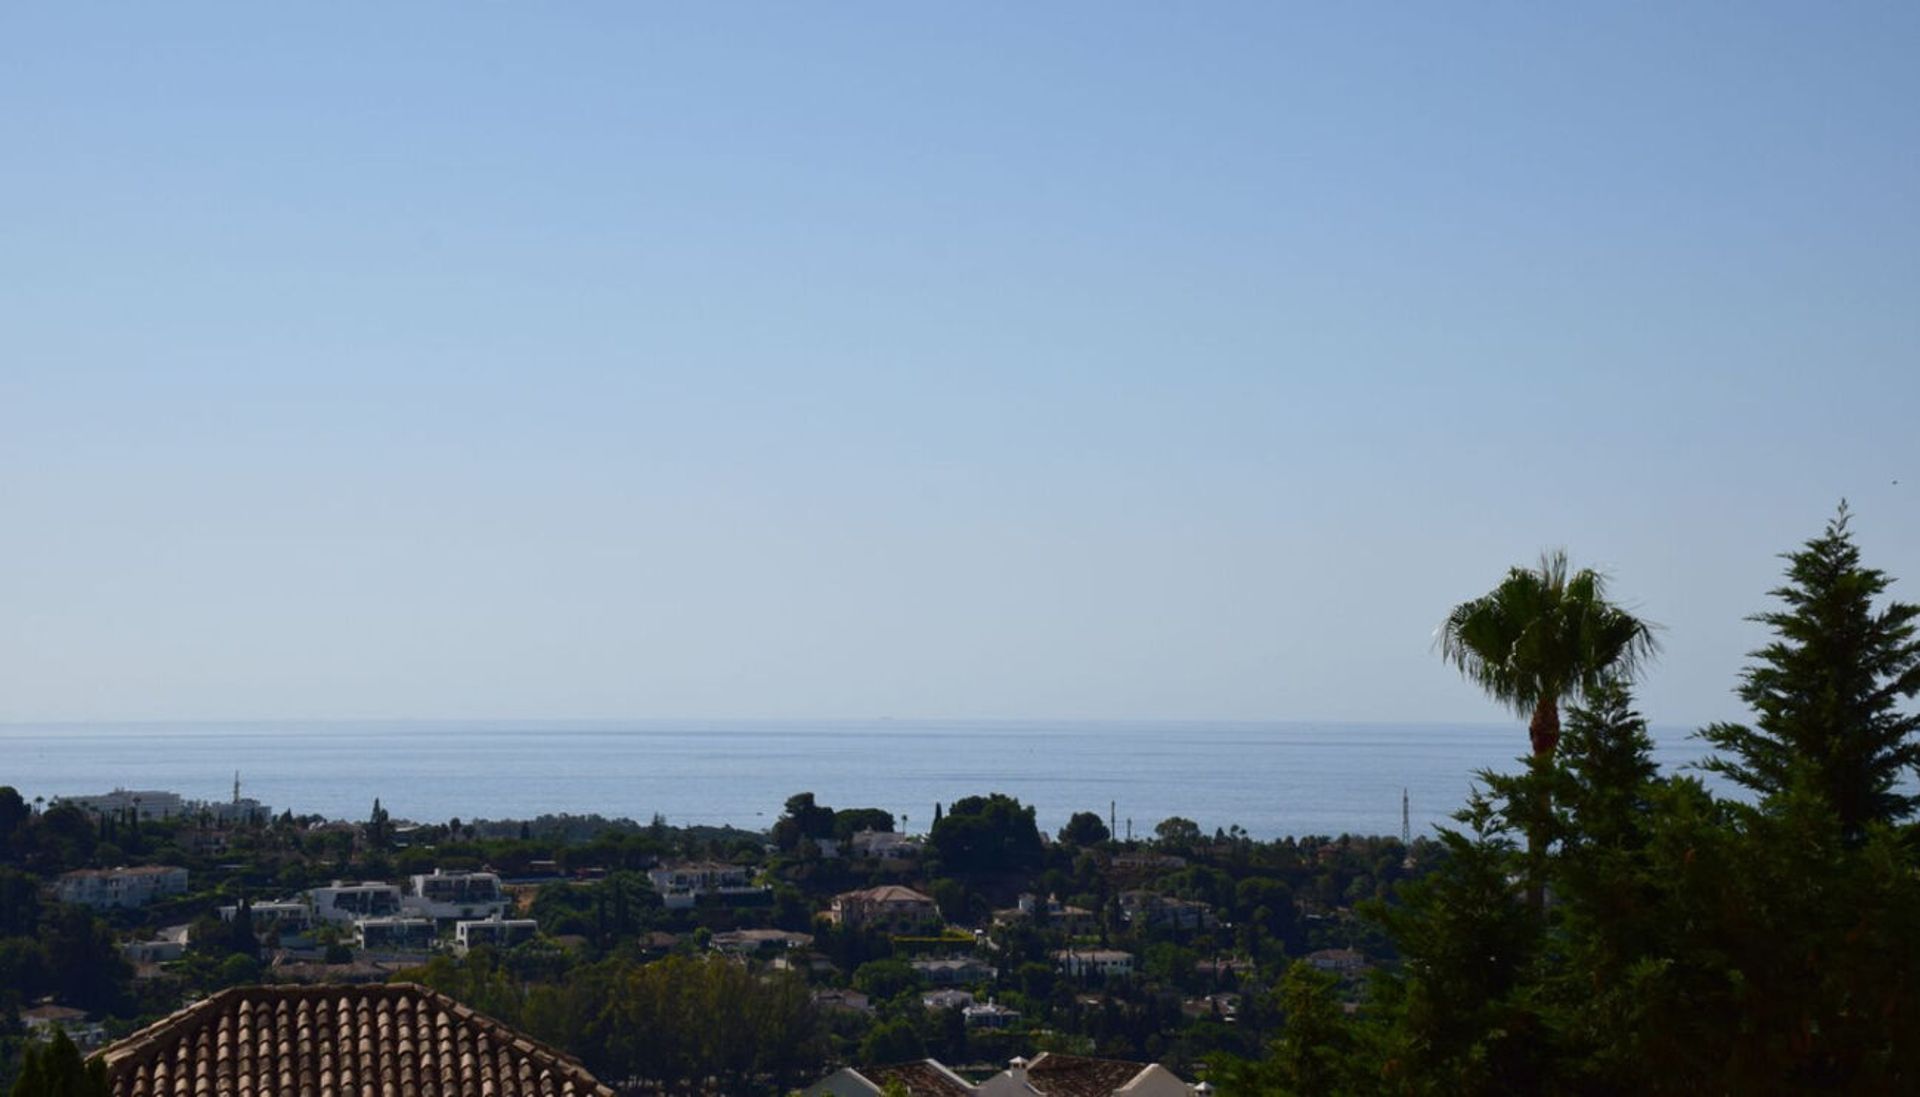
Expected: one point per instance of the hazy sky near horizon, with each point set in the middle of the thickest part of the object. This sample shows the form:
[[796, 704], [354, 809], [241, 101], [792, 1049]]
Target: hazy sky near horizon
[[986, 360]]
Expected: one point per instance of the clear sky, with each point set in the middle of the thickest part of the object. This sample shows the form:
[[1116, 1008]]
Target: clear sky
[[969, 360]]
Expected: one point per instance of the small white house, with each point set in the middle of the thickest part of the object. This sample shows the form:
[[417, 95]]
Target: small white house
[[497, 932]]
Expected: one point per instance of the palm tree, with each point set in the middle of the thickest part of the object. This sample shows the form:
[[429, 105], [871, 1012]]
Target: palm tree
[[1541, 637]]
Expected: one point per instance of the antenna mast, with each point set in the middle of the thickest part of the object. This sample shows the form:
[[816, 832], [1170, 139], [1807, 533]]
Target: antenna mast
[[1406, 821]]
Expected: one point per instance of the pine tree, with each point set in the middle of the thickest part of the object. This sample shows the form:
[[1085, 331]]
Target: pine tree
[[55, 1069], [1826, 692]]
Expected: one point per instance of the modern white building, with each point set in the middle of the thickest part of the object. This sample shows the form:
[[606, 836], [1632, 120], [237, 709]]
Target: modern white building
[[456, 896], [288, 912], [342, 902], [102, 888], [393, 934], [497, 932]]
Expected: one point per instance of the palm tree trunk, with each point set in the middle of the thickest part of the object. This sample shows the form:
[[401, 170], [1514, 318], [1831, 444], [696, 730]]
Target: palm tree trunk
[[1545, 733]]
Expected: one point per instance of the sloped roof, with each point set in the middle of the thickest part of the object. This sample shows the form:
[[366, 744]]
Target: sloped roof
[[401, 1040], [887, 893], [1059, 1075], [923, 1078]]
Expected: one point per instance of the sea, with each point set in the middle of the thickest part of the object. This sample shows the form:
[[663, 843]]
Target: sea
[[1271, 779]]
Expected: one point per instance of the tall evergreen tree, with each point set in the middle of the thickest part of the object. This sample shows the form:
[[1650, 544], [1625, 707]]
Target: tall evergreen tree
[[1826, 692], [55, 1069]]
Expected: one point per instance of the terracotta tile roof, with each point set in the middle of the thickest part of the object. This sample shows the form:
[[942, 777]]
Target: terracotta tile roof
[[887, 893], [1076, 1076], [397, 1040], [923, 1078]]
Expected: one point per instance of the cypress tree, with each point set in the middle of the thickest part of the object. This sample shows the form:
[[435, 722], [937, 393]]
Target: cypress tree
[[1826, 692]]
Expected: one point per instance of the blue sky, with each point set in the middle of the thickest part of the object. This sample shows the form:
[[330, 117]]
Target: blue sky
[[863, 360]]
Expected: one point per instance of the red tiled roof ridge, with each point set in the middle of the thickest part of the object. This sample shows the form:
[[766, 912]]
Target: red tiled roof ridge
[[885, 892], [189, 1026]]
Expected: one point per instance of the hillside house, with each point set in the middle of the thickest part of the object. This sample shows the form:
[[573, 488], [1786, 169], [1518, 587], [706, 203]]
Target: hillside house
[[1106, 963], [1151, 909], [682, 885], [455, 896], [496, 932], [890, 907], [342, 903], [106, 888]]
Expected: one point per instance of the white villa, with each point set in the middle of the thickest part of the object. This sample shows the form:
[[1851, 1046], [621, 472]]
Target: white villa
[[101, 888], [885, 843], [682, 885], [455, 896]]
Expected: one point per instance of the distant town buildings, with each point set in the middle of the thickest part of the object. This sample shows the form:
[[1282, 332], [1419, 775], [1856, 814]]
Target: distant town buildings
[[149, 804]]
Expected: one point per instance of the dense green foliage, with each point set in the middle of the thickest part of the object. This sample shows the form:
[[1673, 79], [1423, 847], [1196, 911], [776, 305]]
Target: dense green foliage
[[981, 834]]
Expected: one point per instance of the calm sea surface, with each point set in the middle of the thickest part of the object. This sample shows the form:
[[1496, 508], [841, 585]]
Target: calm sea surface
[[1274, 779]]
